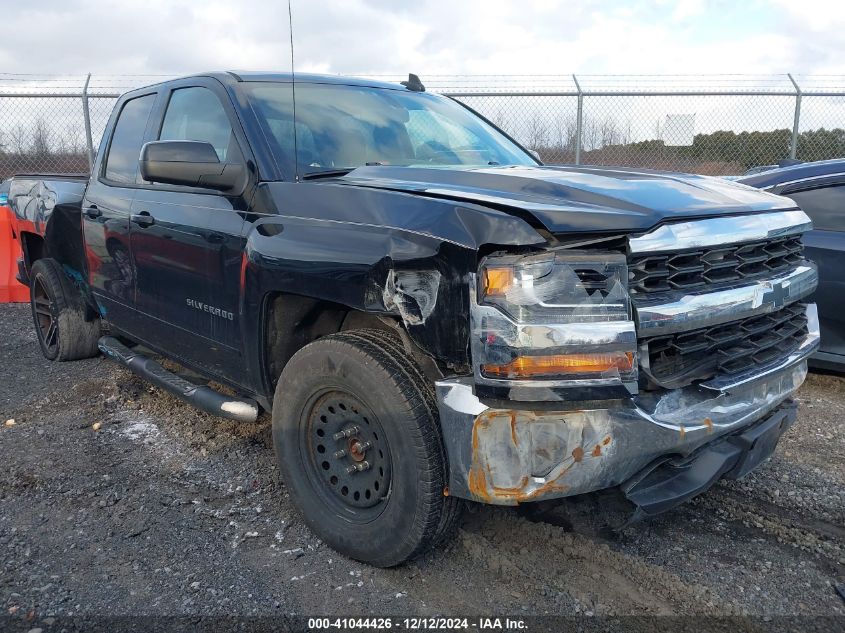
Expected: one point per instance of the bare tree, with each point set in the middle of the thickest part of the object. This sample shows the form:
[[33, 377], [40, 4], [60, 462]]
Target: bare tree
[[502, 121], [563, 139], [41, 138], [627, 134], [18, 140], [591, 134], [658, 129], [537, 133], [608, 132], [71, 140]]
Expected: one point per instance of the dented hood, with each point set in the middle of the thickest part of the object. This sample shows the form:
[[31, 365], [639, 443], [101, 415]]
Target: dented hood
[[576, 199]]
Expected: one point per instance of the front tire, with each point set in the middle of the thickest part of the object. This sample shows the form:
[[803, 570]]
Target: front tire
[[58, 312], [357, 441]]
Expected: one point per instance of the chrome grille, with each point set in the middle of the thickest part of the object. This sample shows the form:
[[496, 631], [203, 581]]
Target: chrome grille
[[676, 360], [697, 269]]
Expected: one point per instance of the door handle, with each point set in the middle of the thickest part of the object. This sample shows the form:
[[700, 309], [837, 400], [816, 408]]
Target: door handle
[[142, 219], [215, 238], [93, 212]]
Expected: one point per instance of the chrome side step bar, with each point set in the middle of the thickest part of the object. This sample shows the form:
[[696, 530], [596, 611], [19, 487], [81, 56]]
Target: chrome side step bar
[[200, 396]]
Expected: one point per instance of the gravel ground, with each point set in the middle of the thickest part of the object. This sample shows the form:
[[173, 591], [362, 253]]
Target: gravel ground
[[165, 510]]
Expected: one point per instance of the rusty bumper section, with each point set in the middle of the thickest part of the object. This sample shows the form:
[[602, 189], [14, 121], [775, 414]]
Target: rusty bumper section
[[506, 456]]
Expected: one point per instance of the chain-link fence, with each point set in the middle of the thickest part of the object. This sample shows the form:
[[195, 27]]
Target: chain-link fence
[[48, 122], [717, 124]]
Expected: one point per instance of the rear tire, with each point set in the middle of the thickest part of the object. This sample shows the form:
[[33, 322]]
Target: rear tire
[[58, 312], [358, 443]]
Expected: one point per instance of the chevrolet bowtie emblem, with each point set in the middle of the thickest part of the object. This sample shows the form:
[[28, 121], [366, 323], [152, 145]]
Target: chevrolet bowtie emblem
[[775, 293]]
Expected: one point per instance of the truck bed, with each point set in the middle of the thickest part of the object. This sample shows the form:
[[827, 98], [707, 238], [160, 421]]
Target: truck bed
[[55, 200]]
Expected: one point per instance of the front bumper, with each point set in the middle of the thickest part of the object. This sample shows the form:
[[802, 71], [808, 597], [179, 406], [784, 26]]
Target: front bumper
[[509, 456], [665, 483]]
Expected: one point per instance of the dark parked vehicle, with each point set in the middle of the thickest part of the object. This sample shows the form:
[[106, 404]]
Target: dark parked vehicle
[[430, 313], [786, 162], [819, 189]]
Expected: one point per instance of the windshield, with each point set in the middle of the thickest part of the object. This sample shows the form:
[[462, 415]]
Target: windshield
[[342, 127]]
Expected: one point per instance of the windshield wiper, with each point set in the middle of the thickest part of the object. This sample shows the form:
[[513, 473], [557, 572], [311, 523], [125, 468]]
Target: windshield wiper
[[326, 173]]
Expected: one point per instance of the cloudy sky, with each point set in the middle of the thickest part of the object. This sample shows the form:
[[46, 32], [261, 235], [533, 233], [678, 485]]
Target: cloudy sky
[[424, 36]]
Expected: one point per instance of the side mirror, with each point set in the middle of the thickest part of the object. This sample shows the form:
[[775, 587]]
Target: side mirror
[[189, 163]]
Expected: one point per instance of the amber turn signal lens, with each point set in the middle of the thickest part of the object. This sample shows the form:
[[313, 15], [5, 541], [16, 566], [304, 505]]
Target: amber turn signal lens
[[497, 281], [534, 366]]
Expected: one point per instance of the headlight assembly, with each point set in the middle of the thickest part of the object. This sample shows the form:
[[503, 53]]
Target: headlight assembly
[[555, 321]]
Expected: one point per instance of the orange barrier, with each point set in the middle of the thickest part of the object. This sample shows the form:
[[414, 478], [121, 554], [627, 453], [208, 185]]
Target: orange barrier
[[11, 290]]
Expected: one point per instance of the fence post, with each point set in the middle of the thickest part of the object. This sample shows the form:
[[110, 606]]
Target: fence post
[[794, 145], [578, 121], [87, 117]]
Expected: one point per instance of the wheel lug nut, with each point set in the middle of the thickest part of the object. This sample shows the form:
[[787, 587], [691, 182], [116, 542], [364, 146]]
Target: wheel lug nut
[[357, 468], [340, 453], [346, 433], [363, 446]]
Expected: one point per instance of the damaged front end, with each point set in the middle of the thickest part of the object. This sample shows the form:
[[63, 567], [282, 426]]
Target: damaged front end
[[655, 370], [509, 456]]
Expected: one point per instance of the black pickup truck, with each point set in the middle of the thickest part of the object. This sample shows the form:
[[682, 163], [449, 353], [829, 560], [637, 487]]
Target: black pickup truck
[[430, 314]]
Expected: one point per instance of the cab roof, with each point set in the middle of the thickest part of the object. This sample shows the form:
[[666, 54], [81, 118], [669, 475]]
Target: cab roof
[[232, 78], [237, 76]]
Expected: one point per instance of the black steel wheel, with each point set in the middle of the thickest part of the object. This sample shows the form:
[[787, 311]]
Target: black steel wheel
[[59, 314], [347, 453], [358, 443]]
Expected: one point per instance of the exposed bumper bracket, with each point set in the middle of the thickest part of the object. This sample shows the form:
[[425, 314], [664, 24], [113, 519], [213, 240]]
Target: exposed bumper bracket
[[665, 484]]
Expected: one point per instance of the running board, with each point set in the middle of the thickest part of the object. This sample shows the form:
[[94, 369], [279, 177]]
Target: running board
[[200, 396]]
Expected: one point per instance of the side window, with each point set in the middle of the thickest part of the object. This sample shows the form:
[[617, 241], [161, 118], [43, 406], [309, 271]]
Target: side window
[[196, 114], [128, 137], [825, 206]]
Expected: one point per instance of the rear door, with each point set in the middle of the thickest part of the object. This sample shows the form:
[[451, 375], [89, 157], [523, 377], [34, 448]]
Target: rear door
[[824, 202], [106, 208], [187, 242]]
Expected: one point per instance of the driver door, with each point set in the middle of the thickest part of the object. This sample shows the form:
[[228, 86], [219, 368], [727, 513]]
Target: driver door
[[187, 243]]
